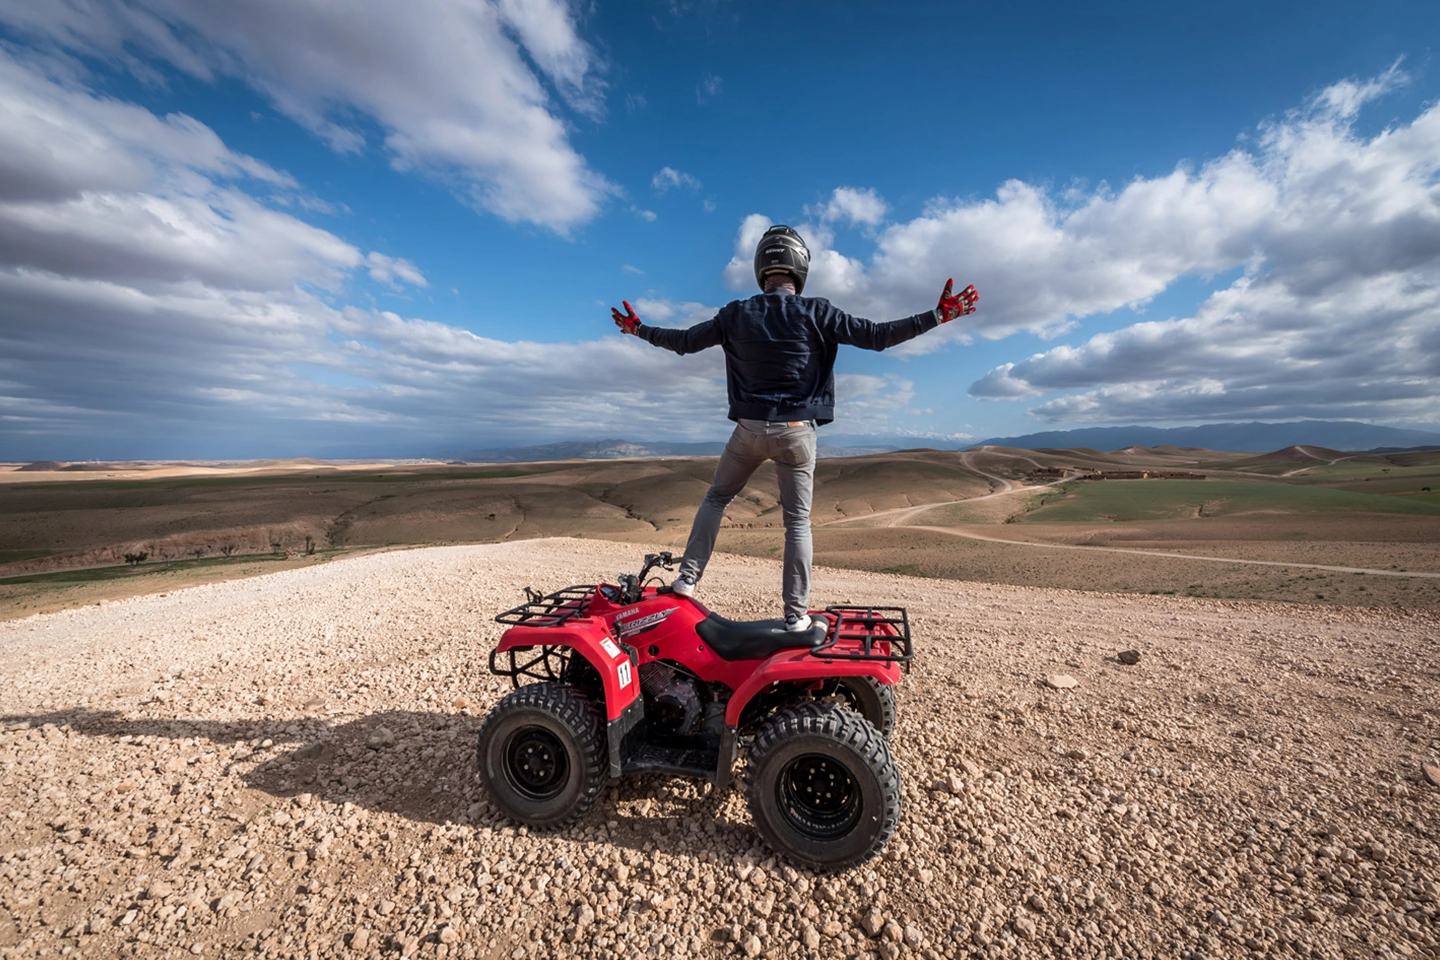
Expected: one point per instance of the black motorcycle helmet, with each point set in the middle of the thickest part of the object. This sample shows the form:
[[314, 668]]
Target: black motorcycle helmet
[[781, 249]]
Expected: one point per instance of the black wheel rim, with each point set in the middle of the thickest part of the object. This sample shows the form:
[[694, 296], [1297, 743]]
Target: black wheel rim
[[536, 763], [818, 796]]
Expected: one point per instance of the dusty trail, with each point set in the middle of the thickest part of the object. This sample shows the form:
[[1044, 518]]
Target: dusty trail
[[899, 516], [970, 535], [1307, 452]]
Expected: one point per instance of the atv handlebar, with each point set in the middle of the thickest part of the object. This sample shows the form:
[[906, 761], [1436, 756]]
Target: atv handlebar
[[664, 559], [632, 586]]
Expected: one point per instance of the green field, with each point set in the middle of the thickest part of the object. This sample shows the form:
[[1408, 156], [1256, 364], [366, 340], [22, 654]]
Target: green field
[[1121, 501], [16, 556]]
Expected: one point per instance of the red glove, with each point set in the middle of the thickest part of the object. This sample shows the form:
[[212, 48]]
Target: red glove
[[960, 305], [627, 321]]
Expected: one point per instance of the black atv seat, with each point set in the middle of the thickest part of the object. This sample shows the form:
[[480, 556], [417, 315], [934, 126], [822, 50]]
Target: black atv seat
[[752, 640]]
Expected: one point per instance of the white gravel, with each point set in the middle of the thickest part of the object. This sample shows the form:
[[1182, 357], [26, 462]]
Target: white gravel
[[205, 773]]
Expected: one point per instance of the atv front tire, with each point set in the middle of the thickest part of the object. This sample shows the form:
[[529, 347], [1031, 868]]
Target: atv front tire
[[822, 786], [542, 755]]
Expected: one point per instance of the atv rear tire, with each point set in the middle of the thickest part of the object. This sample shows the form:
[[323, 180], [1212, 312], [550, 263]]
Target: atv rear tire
[[873, 700], [822, 786], [542, 755]]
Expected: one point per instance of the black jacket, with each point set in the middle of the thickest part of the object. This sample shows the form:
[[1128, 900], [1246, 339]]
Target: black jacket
[[780, 351]]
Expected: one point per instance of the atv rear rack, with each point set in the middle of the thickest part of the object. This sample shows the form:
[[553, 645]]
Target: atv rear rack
[[549, 609], [871, 626]]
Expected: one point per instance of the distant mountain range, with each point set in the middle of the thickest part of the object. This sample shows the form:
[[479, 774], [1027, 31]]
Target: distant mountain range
[[1235, 437]]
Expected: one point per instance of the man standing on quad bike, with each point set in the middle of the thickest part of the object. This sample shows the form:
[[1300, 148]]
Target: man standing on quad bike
[[780, 372]]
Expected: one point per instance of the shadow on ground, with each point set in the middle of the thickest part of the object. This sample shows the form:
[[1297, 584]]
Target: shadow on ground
[[426, 774]]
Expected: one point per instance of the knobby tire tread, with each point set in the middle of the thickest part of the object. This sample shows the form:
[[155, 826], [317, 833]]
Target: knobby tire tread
[[844, 725], [574, 710]]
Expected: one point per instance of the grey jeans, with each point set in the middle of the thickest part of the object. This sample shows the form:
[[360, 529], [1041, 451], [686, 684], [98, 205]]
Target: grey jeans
[[793, 450]]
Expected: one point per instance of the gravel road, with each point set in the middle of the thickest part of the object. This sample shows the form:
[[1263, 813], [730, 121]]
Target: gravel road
[[283, 766]]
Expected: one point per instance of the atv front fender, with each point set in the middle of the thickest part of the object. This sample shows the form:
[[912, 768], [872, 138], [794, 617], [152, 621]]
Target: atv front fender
[[590, 638], [799, 665]]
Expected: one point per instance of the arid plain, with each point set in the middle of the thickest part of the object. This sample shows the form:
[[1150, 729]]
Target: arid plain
[[1303, 524], [282, 764]]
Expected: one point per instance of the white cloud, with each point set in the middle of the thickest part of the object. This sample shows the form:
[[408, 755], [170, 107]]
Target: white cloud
[[1344, 99], [447, 382], [1367, 348], [869, 401], [147, 298], [672, 313], [393, 270], [1337, 315], [547, 32], [447, 83], [207, 363], [103, 190], [61, 141], [856, 207], [669, 178]]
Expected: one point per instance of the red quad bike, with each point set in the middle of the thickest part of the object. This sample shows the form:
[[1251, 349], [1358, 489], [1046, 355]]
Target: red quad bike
[[633, 678]]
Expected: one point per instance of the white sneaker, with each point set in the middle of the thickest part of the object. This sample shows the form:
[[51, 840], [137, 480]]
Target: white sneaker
[[797, 624], [684, 585]]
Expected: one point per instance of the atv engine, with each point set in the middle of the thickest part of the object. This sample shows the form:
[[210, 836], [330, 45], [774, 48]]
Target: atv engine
[[672, 698]]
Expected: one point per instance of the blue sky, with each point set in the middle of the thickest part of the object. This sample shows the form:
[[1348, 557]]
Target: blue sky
[[299, 228]]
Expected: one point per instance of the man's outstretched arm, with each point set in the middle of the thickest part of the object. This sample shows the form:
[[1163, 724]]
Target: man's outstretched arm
[[869, 335], [692, 340]]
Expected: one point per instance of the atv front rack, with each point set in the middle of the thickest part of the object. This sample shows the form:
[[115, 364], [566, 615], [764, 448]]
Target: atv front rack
[[534, 663], [882, 633], [549, 609], [540, 610]]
